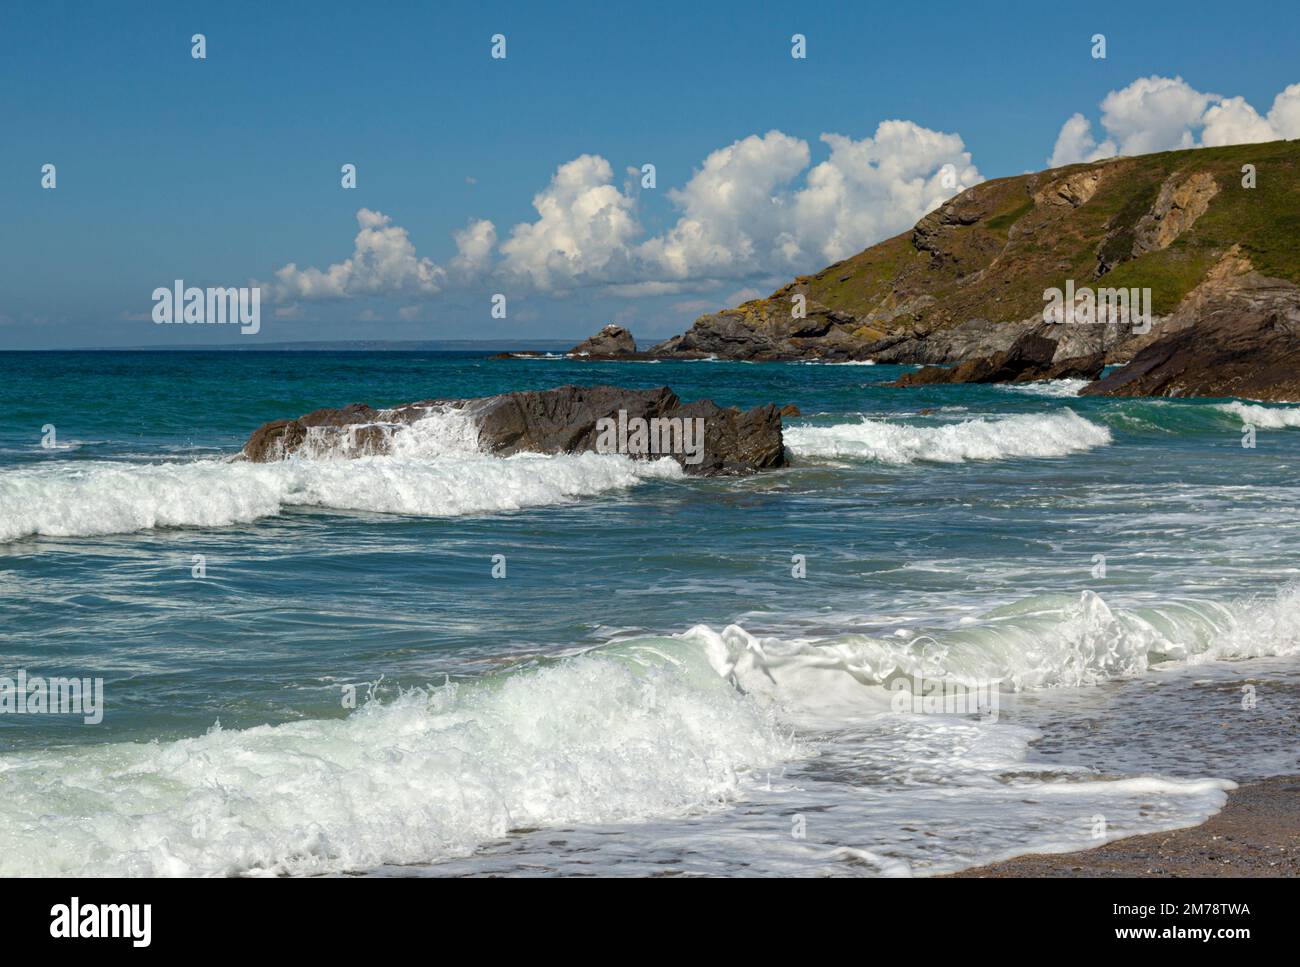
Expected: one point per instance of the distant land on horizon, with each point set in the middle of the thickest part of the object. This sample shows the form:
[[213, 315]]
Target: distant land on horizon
[[355, 345]]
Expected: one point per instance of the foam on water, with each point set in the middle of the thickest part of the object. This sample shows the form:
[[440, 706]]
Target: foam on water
[[637, 734], [620, 735], [1049, 387], [838, 362], [1040, 642], [1053, 434], [434, 470], [1267, 417]]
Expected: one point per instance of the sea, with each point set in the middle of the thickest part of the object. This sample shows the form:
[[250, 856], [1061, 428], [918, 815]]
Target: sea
[[965, 623]]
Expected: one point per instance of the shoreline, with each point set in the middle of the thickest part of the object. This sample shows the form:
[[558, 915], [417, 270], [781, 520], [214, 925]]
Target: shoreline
[[1256, 834]]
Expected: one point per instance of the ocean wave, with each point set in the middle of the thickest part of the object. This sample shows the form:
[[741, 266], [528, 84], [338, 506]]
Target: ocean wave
[[1043, 642], [837, 362], [620, 735], [1054, 434], [636, 731], [1050, 387], [1265, 417], [434, 470]]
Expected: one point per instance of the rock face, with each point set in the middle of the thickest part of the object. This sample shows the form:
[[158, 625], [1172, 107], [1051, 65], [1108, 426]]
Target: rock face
[[1029, 358], [767, 330], [1072, 190], [1236, 334], [610, 341], [1182, 200], [353, 431], [563, 420], [968, 280]]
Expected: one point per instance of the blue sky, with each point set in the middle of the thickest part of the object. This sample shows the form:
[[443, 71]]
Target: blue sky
[[224, 171]]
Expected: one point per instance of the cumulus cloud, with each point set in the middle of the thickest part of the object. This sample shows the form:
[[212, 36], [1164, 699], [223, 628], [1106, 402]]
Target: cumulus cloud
[[474, 246], [1076, 143], [743, 212], [753, 209], [1165, 113], [732, 210], [870, 189], [1285, 113], [584, 231], [383, 261]]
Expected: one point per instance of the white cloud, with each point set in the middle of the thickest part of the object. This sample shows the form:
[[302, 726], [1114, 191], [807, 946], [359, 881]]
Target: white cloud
[[638, 290], [1076, 143], [383, 261], [474, 245], [1154, 114], [1285, 113], [871, 189], [753, 209], [731, 209], [1165, 113], [742, 212], [747, 294], [583, 233]]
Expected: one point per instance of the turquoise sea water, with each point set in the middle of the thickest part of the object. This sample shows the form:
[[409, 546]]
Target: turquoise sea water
[[649, 688]]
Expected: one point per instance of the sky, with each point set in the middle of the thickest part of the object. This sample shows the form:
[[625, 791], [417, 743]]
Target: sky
[[522, 176]]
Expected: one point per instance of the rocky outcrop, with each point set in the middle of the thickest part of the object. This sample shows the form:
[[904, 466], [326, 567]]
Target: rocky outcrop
[[1073, 190], [352, 431], [610, 341], [562, 420], [1028, 359], [768, 330], [967, 281], [1182, 200], [1236, 334]]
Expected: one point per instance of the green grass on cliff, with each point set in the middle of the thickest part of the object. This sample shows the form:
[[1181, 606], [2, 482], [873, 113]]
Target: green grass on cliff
[[997, 267]]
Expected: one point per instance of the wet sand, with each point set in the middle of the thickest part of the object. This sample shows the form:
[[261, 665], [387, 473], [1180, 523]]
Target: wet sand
[[1256, 834]]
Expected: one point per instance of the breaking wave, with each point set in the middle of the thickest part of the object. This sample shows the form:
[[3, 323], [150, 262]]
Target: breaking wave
[[623, 734], [434, 470], [1055, 434], [1266, 417], [649, 728], [1041, 642]]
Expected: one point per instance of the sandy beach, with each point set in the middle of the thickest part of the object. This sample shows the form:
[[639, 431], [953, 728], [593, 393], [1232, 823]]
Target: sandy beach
[[1256, 835]]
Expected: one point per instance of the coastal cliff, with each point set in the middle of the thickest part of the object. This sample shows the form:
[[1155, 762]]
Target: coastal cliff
[[1206, 235]]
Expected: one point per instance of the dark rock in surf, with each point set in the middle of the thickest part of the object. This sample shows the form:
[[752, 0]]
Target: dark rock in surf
[[1236, 334], [1028, 359], [562, 420], [610, 341]]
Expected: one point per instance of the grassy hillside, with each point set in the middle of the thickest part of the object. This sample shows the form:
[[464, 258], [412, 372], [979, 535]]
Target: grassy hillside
[[990, 252]]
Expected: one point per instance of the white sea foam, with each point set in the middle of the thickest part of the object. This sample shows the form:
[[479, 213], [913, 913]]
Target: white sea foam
[[434, 470], [621, 735], [630, 738], [1037, 643], [1050, 387], [1266, 417], [838, 362], [1053, 434]]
